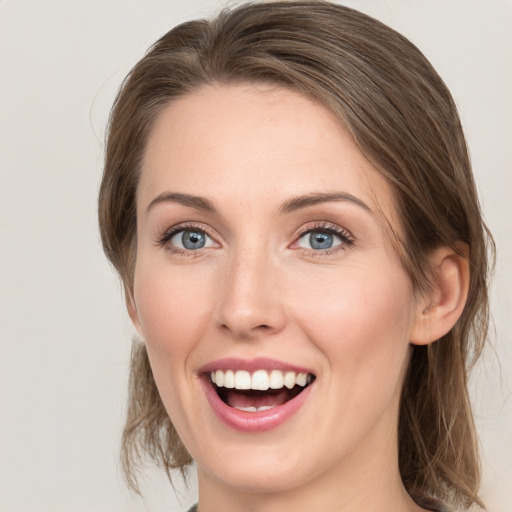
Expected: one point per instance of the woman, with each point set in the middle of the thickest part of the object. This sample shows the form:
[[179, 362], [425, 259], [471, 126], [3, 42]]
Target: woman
[[288, 199]]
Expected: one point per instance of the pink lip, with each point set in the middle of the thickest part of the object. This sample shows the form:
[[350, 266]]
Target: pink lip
[[260, 363], [244, 421]]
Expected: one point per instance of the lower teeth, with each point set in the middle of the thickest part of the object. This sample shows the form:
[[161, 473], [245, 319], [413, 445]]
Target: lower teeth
[[255, 409]]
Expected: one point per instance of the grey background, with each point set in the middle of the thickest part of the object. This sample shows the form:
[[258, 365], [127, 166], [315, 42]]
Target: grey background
[[64, 333]]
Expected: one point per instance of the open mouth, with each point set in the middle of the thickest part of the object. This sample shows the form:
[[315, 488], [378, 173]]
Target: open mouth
[[260, 390]]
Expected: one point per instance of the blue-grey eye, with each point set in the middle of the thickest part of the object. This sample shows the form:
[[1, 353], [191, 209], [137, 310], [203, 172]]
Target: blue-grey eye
[[319, 240], [191, 239]]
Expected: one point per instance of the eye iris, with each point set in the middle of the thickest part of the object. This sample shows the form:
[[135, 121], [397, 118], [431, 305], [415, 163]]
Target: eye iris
[[193, 240], [320, 240]]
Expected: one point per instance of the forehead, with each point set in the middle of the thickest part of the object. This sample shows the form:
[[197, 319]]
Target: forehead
[[255, 143]]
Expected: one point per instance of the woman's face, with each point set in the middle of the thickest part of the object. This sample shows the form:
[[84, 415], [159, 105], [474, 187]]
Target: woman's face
[[262, 262]]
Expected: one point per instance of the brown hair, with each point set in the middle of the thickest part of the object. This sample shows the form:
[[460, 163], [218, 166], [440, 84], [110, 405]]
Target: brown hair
[[404, 120]]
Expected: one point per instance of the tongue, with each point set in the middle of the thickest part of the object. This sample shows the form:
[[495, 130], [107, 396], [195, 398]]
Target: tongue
[[257, 399]]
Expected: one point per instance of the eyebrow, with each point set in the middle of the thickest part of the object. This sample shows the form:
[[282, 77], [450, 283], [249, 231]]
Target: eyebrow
[[291, 205], [296, 203], [196, 202]]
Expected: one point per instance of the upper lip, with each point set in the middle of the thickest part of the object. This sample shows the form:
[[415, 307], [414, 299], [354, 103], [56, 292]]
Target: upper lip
[[251, 365]]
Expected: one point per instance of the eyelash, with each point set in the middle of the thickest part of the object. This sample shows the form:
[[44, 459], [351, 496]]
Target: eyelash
[[167, 236], [345, 236]]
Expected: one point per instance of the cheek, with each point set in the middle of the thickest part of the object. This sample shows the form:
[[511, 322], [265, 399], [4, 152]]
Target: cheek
[[361, 321], [173, 317], [172, 313]]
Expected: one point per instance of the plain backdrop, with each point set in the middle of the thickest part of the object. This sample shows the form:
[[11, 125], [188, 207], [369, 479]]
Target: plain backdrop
[[64, 333]]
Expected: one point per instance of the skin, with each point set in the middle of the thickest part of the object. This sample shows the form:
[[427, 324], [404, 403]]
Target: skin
[[257, 289]]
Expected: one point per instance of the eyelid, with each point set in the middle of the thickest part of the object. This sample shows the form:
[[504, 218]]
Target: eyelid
[[346, 237], [164, 238]]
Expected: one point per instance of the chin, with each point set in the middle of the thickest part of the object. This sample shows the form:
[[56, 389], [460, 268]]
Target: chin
[[260, 476]]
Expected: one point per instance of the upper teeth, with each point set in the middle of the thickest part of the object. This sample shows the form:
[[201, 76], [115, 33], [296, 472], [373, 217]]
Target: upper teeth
[[259, 380]]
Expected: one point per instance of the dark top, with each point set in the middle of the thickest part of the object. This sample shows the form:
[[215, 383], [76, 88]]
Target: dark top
[[428, 503]]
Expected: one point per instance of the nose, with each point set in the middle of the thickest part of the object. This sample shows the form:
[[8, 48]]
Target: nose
[[250, 303]]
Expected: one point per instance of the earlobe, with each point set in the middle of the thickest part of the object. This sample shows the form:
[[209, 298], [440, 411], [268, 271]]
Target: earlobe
[[439, 309]]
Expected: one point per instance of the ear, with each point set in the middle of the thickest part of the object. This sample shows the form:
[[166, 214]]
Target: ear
[[440, 308], [132, 310]]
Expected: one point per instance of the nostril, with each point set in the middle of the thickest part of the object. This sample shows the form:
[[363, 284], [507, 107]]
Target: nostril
[[260, 328]]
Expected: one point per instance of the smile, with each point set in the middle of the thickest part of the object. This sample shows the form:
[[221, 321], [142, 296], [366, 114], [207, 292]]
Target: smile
[[246, 392], [255, 399]]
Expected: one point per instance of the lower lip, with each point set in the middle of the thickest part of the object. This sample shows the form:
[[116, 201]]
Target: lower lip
[[245, 421]]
